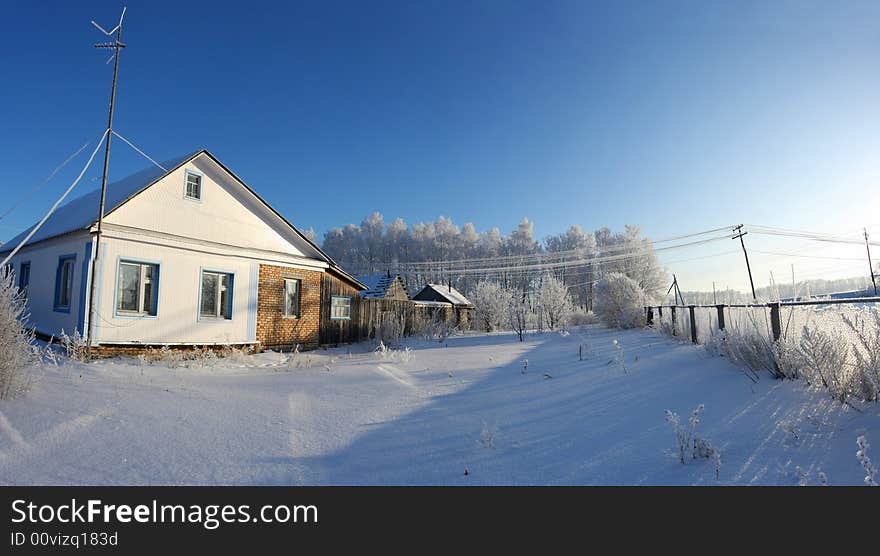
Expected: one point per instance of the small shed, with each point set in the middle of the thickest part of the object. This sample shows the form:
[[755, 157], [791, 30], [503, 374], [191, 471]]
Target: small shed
[[463, 308]]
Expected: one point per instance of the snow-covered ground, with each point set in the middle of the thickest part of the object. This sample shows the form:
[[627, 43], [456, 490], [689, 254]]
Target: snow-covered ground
[[354, 417]]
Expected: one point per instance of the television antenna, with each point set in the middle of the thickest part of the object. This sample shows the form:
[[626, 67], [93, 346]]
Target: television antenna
[[116, 45]]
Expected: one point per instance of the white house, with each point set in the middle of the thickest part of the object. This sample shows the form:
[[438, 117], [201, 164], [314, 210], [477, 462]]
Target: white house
[[189, 256]]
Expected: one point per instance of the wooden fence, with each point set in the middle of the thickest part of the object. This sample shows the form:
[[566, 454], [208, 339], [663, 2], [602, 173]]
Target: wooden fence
[[677, 312], [373, 318]]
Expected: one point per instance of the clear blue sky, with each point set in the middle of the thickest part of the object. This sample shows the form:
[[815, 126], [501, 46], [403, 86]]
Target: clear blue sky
[[676, 116]]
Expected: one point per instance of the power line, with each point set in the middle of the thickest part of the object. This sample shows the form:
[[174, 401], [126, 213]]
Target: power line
[[46, 181], [58, 202], [531, 257]]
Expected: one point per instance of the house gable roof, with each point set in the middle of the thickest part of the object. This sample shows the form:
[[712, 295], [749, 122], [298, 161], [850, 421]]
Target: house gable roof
[[81, 213]]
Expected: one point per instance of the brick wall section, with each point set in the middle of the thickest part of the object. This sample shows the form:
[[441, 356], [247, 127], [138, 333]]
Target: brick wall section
[[274, 331]]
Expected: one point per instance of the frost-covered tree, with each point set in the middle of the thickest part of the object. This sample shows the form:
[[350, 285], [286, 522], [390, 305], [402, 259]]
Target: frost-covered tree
[[579, 278], [17, 349], [518, 313], [491, 302], [553, 301], [620, 301]]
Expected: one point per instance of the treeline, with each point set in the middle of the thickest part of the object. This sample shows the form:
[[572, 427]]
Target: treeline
[[427, 251]]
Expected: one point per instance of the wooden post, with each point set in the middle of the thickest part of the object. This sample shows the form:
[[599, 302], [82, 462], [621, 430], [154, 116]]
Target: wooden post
[[774, 321], [720, 309], [693, 324], [673, 321], [650, 319], [660, 311]]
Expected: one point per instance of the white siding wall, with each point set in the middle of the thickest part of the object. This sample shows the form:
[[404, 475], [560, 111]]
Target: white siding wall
[[177, 319], [41, 289], [225, 214]]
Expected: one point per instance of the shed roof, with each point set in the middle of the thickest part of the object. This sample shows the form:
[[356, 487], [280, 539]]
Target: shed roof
[[450, 294], [377, 284]]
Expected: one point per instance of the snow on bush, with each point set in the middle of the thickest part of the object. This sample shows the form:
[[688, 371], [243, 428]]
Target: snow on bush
[[865, 460], [865, 326], [686, 439], [578, 317], [386, 353], [487, 435], [554, 302], [17, 347], [75, 347], [620, 301], [199, 357], [491, 301], [833, 348]]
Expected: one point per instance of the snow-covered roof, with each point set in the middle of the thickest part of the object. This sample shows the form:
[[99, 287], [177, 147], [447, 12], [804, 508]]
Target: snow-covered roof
[[377, 284], [451, 294], [82, 212], [432, 303]]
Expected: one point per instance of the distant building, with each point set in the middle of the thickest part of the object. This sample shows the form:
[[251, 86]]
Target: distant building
[[384, 285], [462, 307]]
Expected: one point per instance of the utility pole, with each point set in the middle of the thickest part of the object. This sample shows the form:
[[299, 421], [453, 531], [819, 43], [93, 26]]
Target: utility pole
[[870, 265], [740, 235], [117, 46]]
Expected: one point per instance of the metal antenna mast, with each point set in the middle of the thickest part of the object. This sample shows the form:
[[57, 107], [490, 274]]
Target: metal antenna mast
[[117, 46]]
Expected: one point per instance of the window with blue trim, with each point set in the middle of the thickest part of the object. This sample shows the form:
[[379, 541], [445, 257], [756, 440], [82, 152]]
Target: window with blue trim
[[24, 276], [340, 307], [64, 283], [216, 296], [136, 287]]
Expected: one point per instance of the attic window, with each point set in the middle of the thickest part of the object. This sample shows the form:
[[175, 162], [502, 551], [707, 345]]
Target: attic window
[[193, 186]]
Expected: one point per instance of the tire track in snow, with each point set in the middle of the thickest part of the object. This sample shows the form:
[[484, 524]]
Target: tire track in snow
[[299, 409], [12, 433], [388, 371]]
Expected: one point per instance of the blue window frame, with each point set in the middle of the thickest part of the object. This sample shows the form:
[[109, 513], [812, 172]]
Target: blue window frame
[[137, 288], [24, 276], [215, 295], [340, 307], [64, 283]]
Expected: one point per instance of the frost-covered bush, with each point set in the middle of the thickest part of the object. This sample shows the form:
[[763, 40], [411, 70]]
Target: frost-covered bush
[[553, 301], [687, 440], [823, 361], [579, 317], [386, 353], [488, 434], [865, 326], [17, 347], [491, 301], [198, 357], [620, 301], [865, 460], [75, 347]]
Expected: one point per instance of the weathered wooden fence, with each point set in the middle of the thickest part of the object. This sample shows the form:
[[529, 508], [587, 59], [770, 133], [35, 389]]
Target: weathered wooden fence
[[373, 318], [684, 320]]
